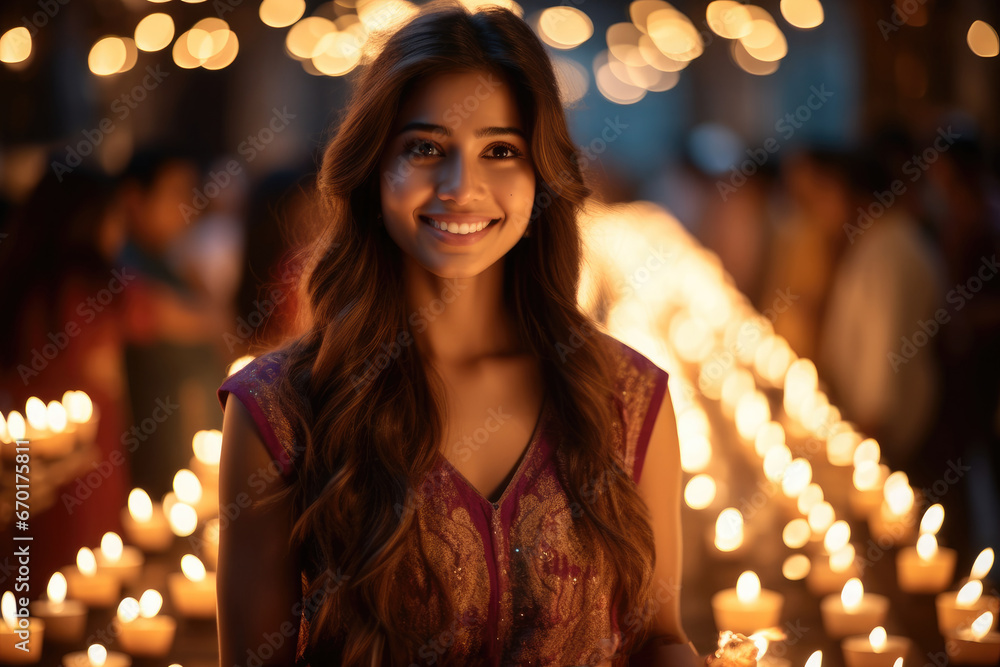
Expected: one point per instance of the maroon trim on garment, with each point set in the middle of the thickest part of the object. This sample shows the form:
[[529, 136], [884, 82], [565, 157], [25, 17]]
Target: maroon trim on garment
[[647, 425], [278, 453]]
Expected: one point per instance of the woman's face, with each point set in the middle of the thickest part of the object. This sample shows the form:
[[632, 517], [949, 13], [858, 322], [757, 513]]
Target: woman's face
[[456, 154]]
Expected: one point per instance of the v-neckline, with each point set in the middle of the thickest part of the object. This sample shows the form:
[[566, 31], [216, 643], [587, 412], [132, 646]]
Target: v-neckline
[[516, 475]]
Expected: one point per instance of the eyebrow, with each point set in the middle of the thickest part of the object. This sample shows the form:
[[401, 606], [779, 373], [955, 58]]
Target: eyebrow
[[481, 132]]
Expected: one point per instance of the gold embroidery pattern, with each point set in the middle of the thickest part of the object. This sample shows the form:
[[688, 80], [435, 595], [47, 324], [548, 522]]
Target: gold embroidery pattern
[[258, 378], [636, 384]]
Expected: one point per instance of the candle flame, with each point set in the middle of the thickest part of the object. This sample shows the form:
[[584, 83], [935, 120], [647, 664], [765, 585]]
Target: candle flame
[[79, 407], [128, 610], [150, 603], [852, 594], [748, 587], [812, 496], [840, 446], [34, 410], [187, 487], [762, 643], [56, 590], [878, 639], [140, 506], [796, 533], [842, 560], [769, 435], [4, 435], [776, 460], [969, 594], [8, 608], [837, 536], [112, 547], [192, 567], [898, 493], [815, 660], [821, 517], [796, 477], [729, 530], [867, 450], [85, 562], [699, 492], [16, 429], [932, 519], [183, 519], [981, 626], [239, 364], [983, 564], [97, 655], [927, 546], [207, 446], [898, 663], [55, 417]]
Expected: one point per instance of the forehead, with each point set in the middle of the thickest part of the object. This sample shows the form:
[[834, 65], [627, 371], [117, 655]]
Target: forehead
[[453, 98]]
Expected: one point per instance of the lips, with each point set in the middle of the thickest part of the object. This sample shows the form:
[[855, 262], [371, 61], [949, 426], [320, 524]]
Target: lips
[[470, 222]]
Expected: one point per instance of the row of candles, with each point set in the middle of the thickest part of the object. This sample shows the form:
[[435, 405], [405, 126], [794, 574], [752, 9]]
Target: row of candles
[[53, 429], [718, 348], [99, 576]]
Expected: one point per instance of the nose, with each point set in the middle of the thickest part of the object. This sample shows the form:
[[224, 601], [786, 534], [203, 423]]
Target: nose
[[460, 180]]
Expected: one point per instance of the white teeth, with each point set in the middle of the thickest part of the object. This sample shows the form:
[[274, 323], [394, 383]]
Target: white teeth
[[456, 228]]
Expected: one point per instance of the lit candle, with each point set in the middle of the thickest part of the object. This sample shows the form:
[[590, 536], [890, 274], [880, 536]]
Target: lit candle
[[878, 649], [958, 609], [20, 636], [58, 435], [207, 446], [926, 568], [65, 620], [868, 480], [735, 650], [983, 564], [35, 414], [895, 520], [142, 631], [81, 412], [119, 560], [747, 607], [96, 656], [828, 575], [192, 591], [854, 611], [976, 644], [145, 523], [728, 538], [86, 584], [188, 489]]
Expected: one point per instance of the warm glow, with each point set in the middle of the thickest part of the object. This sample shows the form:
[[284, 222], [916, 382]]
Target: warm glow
[[564, 27], [851, 594], [752, 412], [927, 546], [128, 610], [674, 34], [85, 562], [841, 445], [150, 603], [812, 496], [815, 660], [867, 450], [192, 567], [867, 475], [842, 560], [281, 13], [932, 519], [699, 492], [8, 608], [15, 426], [79, 406], [728, 19], [796, 567], [183, 519], [983, 40], [969, 594], [729, 530], [877, 638], [97, 655], [35, 412], [154, 32], [837, 536], [748, 587], [696, 451], [4, 436], [187, 487], [821, 517], [770, 434], [981, 626], [983, 564], [107, 56], [796, 478], [777, 459], [804, 14], [801, 380], [238, 365], [56, 590], [15, 45], [140, 506], [207, 446], [112, 547], [55, 417], [796, 533], [226, 54], [898, 493]]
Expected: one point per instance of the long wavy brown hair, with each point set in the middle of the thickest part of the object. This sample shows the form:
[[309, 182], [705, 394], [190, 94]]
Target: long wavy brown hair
[[366, 445]]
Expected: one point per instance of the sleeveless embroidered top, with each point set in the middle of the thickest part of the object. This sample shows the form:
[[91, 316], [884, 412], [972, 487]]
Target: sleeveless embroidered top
[[525, 589]]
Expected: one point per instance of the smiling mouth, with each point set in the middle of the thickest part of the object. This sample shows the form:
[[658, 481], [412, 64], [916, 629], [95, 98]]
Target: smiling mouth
[[458, 229]]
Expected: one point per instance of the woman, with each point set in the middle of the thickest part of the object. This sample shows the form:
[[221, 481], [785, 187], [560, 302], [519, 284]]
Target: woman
[[451, 452]]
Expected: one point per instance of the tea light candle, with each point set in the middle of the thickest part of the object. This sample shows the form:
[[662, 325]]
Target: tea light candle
[[955, 610], [876, 650], [192, 591], [82, 413], [728, 539], [747, 607], [853, 611], [207, 446], [828, 575], [96, 656], [975, 645], [20, 635], [926, 568], [868, 479], [145, 523], [86, 584], [895, 521], [56, 436], [188, 489], [118, 560], [141, 630], [65, 620]]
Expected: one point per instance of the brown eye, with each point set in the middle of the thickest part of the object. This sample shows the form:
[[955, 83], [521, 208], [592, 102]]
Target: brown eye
[[511, 152]]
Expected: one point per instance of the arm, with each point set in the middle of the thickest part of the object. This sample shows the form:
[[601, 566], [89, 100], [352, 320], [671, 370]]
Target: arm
[[259, 587], [660, 487]]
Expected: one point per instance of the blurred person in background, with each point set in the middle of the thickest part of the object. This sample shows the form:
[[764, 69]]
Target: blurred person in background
[[176, 356], [61, 292]]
